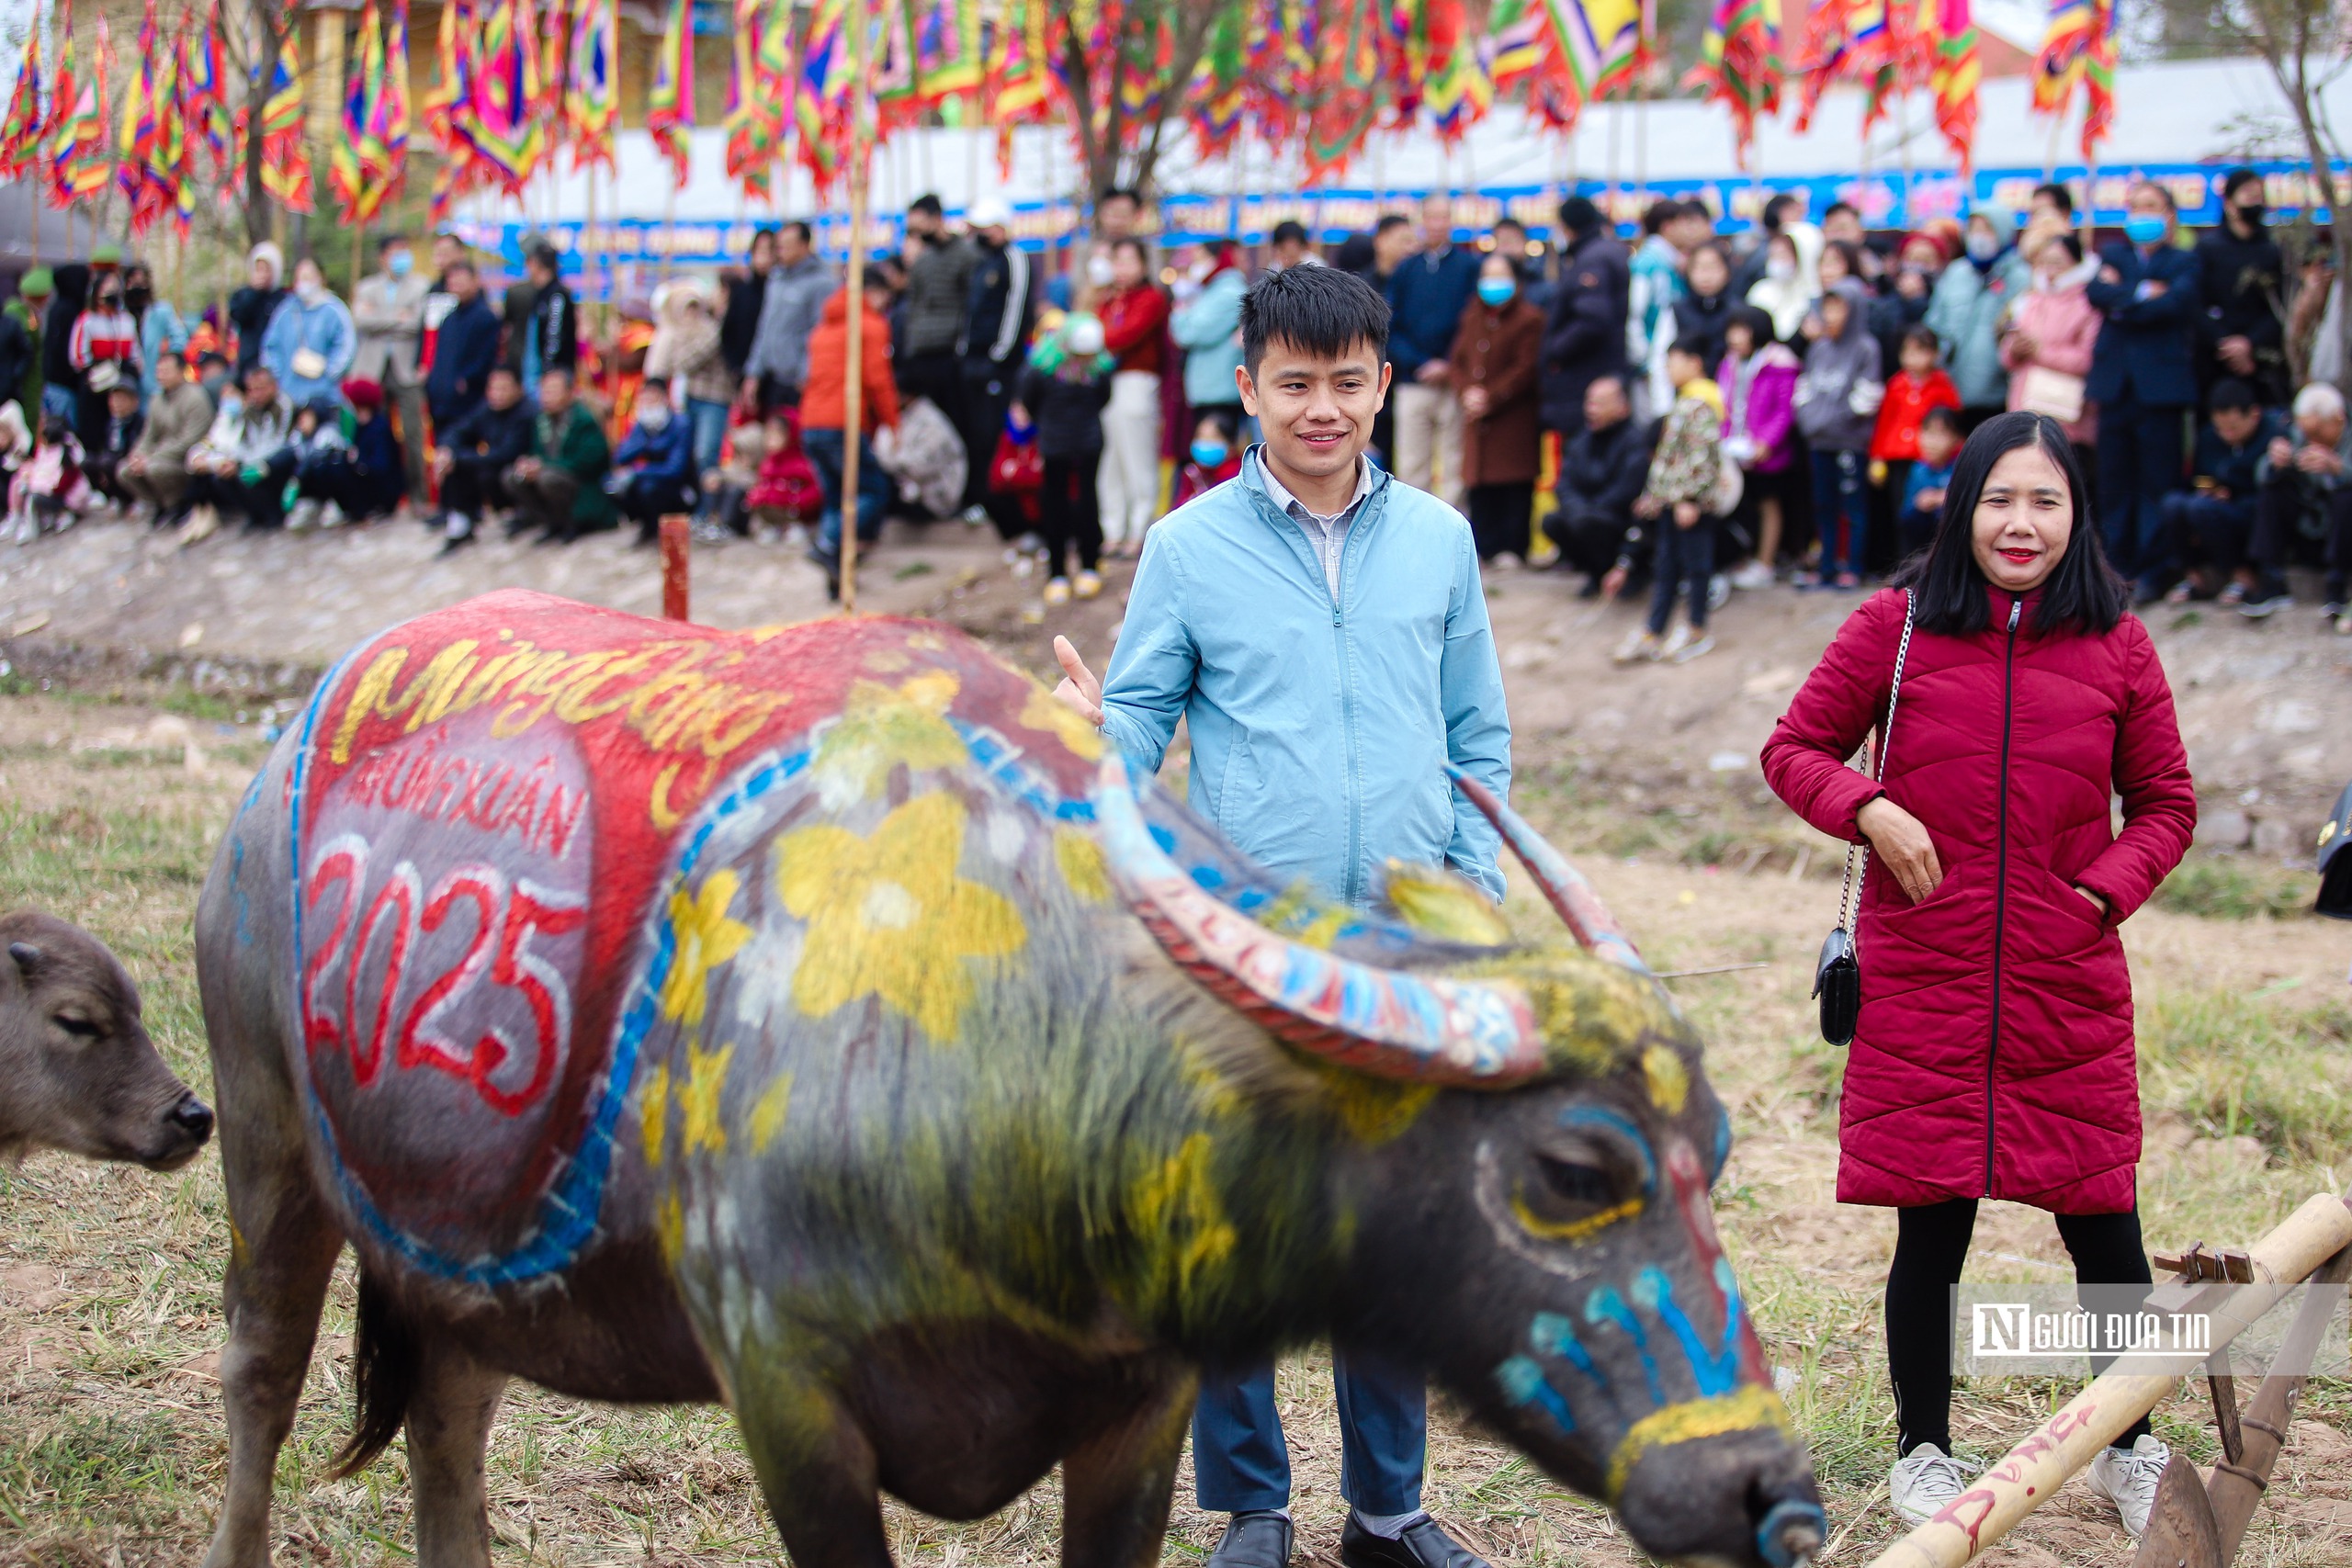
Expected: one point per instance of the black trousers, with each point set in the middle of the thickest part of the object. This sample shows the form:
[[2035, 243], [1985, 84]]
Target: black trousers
[[988, 393], [1589, 541], [1499, 517], [472, 489], [2139, 464], [2279, 525], [939, 376], [1930, 1246], [1069, 512], [262, 504], [2208, 530]]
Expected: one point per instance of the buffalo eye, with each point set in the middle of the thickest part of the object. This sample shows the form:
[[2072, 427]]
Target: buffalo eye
[[1572, 1190], [80, 1028]]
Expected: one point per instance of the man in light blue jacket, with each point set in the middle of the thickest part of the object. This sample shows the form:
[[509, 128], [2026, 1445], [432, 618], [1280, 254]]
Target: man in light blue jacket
[[310, 340], [1321, 628]]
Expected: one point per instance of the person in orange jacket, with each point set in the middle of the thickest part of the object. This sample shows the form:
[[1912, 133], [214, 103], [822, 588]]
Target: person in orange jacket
[[824, 420]]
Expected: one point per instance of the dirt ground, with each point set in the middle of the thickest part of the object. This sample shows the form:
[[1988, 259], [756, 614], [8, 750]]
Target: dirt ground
[[115, 781]]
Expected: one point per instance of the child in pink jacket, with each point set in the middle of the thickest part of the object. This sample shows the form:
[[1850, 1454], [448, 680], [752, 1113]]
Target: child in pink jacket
[[1758, 378]]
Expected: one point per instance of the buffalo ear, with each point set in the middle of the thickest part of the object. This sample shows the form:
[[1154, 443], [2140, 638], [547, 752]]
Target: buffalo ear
[[25, 953]]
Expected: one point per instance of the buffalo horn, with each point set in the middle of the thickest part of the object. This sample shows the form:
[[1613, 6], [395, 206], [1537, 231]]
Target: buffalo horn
[[1570, 894], [1385, 1023]]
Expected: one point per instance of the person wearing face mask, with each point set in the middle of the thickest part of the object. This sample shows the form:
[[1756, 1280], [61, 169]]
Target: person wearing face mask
[[2242, 275], [310, 340], [654, 472], [1497, 351], [1971, 299], [1214, 456], [1208, 328], [2048, 343], [161, 334], [2143, 378], [251, 308], [104, 353], [1792, 279], [388, 312]]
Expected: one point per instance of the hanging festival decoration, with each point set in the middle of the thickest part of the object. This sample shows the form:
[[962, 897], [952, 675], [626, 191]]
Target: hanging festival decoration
[[750, 125], [285, 156], [1739, 64], [1018, 89], [146, 148], [950, 65], [77, 157], [670, 107], [204, 81], [590, 107], [2078, 47], [20, 132], [497, 119], [1954, 75], [820, 84]]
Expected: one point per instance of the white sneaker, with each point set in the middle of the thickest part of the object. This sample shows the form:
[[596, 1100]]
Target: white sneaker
[[304, 516], [1718, 591], [1752, 576], [331, 515], [1925, 1482], [2127, 1478], [1675, 641], [1638, 645], [1696, 648]]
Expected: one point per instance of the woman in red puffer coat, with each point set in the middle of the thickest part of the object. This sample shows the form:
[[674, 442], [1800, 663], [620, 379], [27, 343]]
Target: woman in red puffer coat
[[1993, 1058]]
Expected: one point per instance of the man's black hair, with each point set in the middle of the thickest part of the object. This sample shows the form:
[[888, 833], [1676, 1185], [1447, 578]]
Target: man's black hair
[[1835, 208], [2060, 197], [1776, 211], [246, 379], [1658, 214], [2234, 395], [387, 242], [569, 379], [2082, 594], [1389, 220], [1288, 230], [211, 357], [548, 256], [462, 263], [799, 227], [928, 204], [1697, 208], [1943, 417], [651, 384], [2238, 179], [1578, 216], [507, 370], [1507, 222], [1693, 345], [1320, 310], [1120, 193]]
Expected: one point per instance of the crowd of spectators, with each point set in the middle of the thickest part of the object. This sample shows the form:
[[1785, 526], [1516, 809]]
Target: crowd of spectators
[[1839, 369]]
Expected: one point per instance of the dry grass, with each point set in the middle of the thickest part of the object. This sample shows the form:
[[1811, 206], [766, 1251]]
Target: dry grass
[[112, 1447]]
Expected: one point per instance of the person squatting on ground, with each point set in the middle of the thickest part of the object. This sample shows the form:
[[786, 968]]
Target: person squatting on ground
[[178, 417], [474, 453], [1993, 1056], [1071, 380], [241, 467], [1280, 615], [2306, 482], [102, 463], [2211, 524], [1495, 356], [559, 486], [1603, 469], [1679, 500], [653, 471], [49, 490]]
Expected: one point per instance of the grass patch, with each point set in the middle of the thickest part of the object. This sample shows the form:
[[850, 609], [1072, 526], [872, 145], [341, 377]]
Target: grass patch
[[2227, 887], [2236, 1066]]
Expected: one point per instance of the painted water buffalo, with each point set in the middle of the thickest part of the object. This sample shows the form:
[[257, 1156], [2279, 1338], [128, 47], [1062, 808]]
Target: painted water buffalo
[[818, 1020], [77, 1071]]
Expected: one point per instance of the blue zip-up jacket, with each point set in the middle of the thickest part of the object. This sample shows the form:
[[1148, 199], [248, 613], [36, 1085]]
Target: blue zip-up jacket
[[1428, 295], [1321, 724], [1206, 330], [666, 453], [325, 328]]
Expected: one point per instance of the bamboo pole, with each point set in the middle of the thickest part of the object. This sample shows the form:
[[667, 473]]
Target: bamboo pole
[[853, 372], [2037, 1467]]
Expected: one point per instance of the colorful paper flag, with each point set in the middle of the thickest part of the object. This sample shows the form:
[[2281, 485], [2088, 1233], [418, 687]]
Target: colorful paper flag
[[670, 107], [1739, 64], [590, 111], [20, 131]]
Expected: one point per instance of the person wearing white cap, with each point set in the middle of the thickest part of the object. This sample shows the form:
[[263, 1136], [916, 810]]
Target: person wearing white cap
[[996, 328]]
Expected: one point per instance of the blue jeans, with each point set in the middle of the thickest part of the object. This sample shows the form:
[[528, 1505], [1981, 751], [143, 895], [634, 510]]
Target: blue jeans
[[1837, 490], [709, 422], [2139, 465], [827, 451], [1684, 556], [1240, 1464]]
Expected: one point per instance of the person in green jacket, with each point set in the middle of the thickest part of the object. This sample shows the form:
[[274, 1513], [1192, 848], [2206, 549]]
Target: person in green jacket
[[20, 326], [559, 487]]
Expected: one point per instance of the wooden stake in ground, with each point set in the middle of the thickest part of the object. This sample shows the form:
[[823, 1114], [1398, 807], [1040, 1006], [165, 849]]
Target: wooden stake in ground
[[677, 550], [853, 372]]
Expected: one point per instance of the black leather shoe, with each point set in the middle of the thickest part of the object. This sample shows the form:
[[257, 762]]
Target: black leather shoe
[[1253, 1540], [1422, 1545]]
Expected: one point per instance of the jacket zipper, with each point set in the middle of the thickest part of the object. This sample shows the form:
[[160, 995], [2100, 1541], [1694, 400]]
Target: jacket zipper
[[2000, 875], [1354, 891]]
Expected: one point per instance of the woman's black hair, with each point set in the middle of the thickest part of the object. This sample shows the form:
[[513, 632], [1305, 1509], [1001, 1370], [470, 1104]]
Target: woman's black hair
[[2082, 593]]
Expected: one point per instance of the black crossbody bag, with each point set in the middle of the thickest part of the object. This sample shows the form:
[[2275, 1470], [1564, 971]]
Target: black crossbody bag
[[1838, 977]]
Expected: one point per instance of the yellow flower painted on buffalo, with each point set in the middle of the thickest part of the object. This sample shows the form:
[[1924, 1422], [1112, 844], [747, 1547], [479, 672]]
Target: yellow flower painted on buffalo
[[706, 938], [881, 726], [889, 918]]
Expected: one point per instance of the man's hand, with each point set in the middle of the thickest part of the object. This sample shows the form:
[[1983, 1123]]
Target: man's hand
[[1474, 401], [2282, 452], [526, 468], [442, 462], [134, 464], [2314, 459], [1686, 514], [1648, 506], [1612, 582], [2236, 352], [1931, 500], [1079, 691], [1902, 842], [1433, 373], [2109, 275]]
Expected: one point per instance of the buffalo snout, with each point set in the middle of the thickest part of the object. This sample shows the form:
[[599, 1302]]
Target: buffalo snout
[[185, 1128], [1745, 1498]]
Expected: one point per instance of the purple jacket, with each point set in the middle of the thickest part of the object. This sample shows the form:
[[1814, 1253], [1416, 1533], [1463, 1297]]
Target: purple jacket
[[1759, 402]]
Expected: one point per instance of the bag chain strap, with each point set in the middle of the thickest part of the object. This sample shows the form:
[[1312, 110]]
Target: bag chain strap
[[1858, 856]]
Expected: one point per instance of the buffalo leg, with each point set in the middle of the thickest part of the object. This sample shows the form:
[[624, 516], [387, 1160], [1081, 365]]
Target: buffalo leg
[[281, 1254], [818, 1473], [1117, 1484], [448, 1429]]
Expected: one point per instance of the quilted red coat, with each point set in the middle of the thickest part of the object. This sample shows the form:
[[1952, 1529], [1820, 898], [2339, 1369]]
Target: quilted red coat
[[1993, 1058]]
